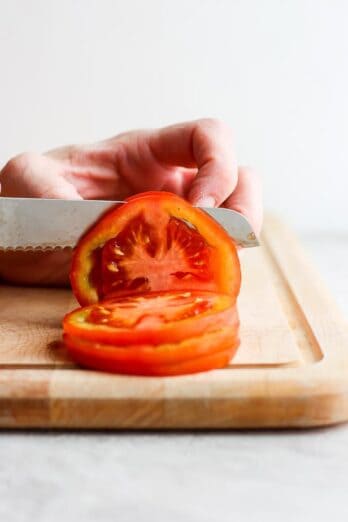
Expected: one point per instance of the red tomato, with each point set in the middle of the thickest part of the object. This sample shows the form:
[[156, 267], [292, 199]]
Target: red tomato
[[154, 242], [161, 280], [205, 352], [152, 318]]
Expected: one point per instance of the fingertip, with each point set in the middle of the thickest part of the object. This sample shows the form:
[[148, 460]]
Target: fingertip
[[247, 198]]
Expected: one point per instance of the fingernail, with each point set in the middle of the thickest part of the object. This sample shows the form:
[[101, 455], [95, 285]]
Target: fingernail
[[207, 201]]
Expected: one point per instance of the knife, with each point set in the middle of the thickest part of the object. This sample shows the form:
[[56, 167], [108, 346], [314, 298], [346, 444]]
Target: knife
[[46, 224]]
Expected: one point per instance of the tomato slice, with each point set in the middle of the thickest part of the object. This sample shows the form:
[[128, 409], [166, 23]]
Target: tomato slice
[[152, 318], [154, 242], [206, 352]]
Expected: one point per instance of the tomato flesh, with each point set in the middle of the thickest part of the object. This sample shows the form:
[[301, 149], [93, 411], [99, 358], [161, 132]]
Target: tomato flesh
[[153, 318], [142, 259], [154, 243]]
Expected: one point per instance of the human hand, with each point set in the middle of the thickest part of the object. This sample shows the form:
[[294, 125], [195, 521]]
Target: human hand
[[195, 160]]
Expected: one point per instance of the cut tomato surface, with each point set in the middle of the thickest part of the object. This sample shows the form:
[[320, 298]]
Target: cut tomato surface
[[153, 318], [205, 352], [154, 242]]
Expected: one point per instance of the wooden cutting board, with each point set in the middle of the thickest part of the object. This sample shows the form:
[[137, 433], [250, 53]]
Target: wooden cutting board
[[290, 370]]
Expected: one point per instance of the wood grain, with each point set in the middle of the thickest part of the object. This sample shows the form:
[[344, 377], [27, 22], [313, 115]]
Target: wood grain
[[291, 368], [25, 398], [30, 326], [266, 338]]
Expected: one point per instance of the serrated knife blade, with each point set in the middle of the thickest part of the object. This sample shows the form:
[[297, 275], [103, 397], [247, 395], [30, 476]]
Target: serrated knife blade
[[27, 223]]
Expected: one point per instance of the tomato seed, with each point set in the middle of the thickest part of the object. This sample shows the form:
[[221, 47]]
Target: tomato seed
[[112, 267], [104, 311], [118, 251]]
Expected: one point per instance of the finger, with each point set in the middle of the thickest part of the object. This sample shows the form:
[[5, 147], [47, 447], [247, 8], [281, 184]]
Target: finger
[[173, 145], [217, 167], [34, 175], [206, 144], [247, 198], [179, 181]]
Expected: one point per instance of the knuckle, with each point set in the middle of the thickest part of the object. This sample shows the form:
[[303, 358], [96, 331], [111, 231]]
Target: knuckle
[[18, 164], [217, 125]]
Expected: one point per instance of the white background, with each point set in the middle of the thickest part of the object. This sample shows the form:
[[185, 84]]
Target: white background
[[276, 71]]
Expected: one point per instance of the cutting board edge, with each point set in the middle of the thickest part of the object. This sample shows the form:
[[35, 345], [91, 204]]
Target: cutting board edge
[[43, 401]]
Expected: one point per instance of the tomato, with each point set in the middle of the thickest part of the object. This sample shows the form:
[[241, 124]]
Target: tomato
[[152, 318], [154, 242], [158, 281], [205, 352]]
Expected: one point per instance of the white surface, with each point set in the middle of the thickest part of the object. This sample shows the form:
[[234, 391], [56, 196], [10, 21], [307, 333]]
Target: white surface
[[330, 256], [289, 476], [276, 71]]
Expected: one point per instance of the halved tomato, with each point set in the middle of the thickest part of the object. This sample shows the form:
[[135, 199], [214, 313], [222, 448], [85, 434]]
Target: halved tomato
[[154, 242], [205, 352], [153, 318]]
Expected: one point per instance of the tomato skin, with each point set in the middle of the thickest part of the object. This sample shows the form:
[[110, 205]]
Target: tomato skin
[[222, 313], [224, 262], [202, 353]]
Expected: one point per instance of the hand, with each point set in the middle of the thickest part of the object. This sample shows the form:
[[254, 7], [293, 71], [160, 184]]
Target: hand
[[195, 160]]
